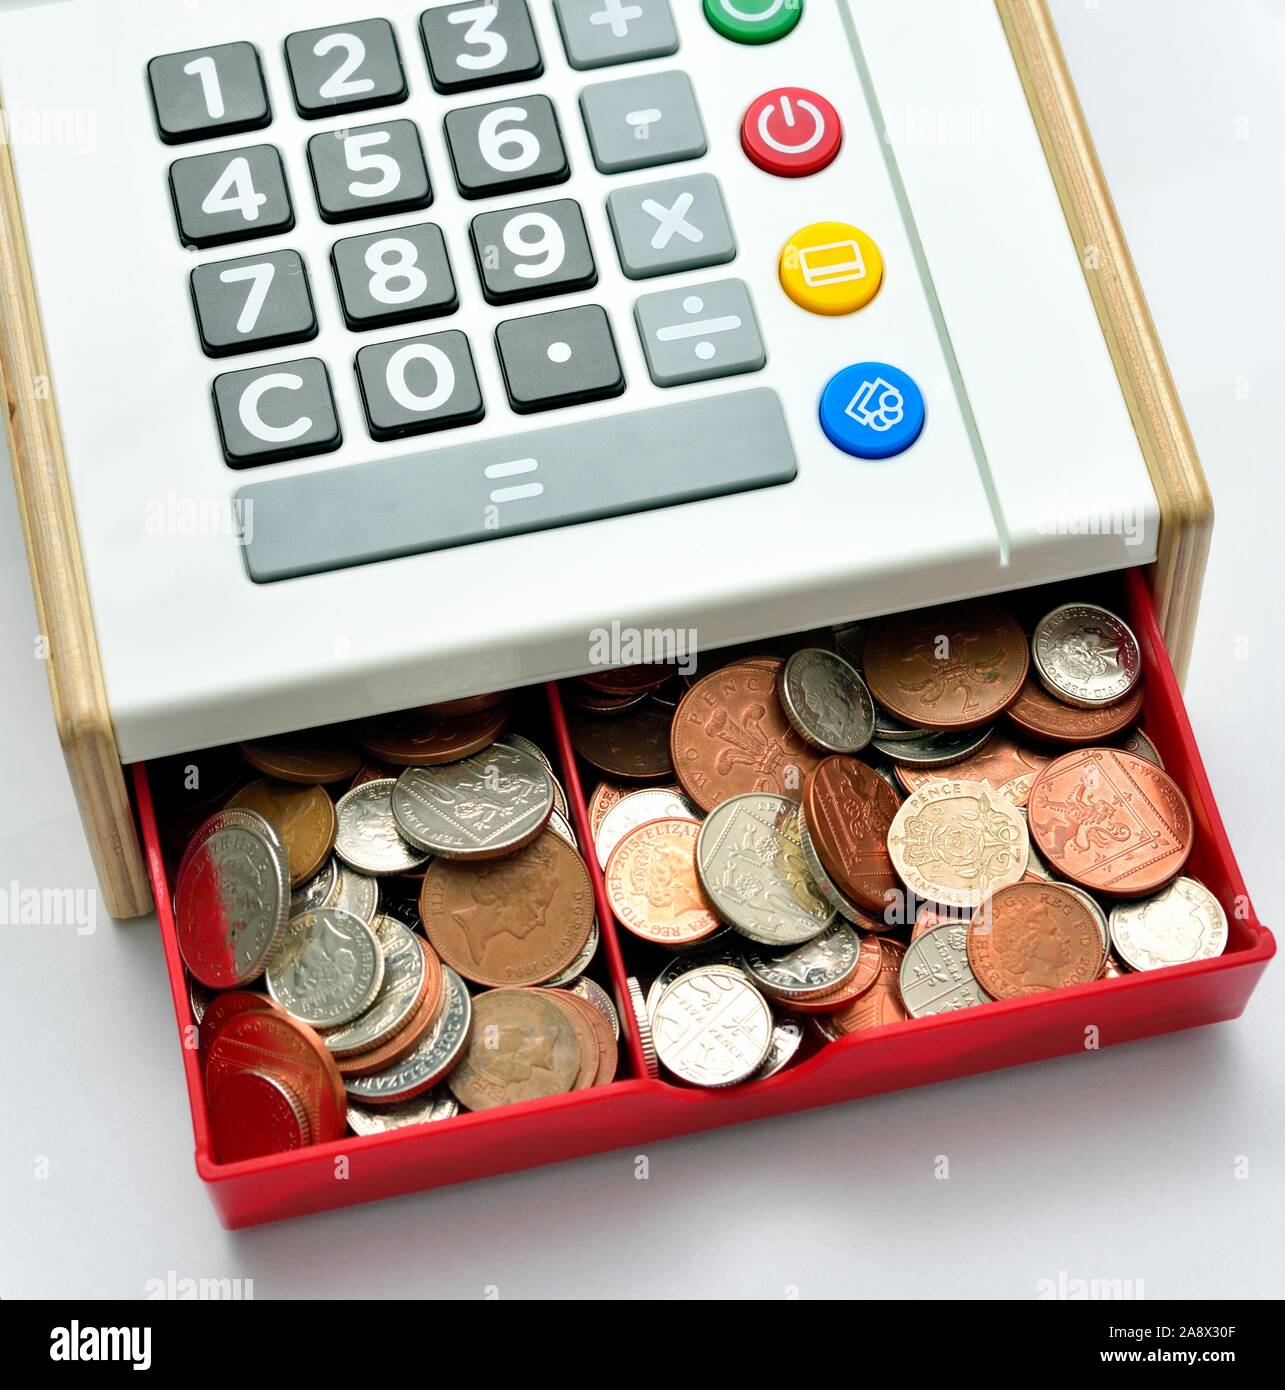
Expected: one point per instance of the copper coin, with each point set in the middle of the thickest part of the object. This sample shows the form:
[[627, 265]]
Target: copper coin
[[412, 977], [521, 1046], [291, 1052], [315, 757], [1038, 714], [600, 1021], [633, 747], [225, 1006], [254, 1113], [586, 1035], [1111, 822], [374, 772], [605, 795], [304, 818], [515, 921], [628, 680], [598, 702], [1010, 767], [932, 915], [419, 738], [654, 886], [955, 667], [849, 809], [468, 704], [880, 1004], [1030, 937], [405, 1040], [730, 736], [869, 963]]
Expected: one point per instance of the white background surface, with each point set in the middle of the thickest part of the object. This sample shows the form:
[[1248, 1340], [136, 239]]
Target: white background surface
[[1118, 1165]]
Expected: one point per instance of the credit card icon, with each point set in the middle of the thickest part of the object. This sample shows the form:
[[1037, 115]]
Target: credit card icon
[[835, 263]]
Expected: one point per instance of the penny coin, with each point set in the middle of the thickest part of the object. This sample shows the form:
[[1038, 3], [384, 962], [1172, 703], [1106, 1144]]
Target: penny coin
[[787, 1038], [632, 748], [712, 1027], [270, 1042], [522, 1046], [1037, 713], [231, 899], [410, 972], [957, 842], [253, 1113], [730, 736], [728, 954], [816, 967], [642, 1027], [1086, 655], [934, 751], [1032, 937], [1141, 746], [635, 809], [320, 755], [329, 968], [827, 701], [593, 993], [424, 1066], [1100, 919], [599, 704], [954, 667], [515, 921], [577, 1014], [318, 890], [225, 1006], [1110, 822], [600, 1053], [1112, 969], [880, 1004], [368, 839], [303, 817], [581, 962], [1183, 923], [465, 705], [427, 1109], [654, 887], [1009, 767], [932, 915], [355, 893], [628, 680], [751, 866], [848, 809], [935, 975], [485, 806], [419, 738], [869, 964]]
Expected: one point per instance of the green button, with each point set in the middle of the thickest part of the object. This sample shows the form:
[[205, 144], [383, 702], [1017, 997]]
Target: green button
[[754, 21]]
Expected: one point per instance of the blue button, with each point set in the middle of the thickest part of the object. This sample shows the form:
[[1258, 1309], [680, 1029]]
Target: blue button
[[872, 410]]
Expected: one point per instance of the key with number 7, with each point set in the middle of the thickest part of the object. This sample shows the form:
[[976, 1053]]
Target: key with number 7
[[253, 303]]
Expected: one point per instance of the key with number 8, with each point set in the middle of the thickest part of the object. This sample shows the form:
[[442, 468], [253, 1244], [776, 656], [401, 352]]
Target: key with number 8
[[396, 276]]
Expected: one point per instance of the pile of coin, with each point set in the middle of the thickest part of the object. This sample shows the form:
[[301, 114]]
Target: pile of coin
[[391, 924], [880, 822]]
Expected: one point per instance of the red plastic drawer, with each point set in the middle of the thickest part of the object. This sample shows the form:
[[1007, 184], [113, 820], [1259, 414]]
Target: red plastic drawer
[[635, 1110]]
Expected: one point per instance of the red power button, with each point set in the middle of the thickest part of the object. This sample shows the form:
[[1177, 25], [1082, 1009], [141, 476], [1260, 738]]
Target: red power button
[[791, 132]]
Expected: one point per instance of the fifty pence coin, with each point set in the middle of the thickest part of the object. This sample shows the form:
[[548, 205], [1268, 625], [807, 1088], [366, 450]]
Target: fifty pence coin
[[432, 1106], [329, 968], [635, 809], [1183, 923], [1085, 655], [435, 1055], [752, 867], [368, 839], [935, 975], [712, 1027], [814, 968], [827, 701], [482, 807]]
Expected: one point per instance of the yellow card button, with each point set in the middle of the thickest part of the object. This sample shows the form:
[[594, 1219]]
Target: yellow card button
[[831, 268]]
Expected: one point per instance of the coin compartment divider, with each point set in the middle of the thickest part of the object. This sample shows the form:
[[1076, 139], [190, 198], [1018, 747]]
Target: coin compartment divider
[[635, 1110]]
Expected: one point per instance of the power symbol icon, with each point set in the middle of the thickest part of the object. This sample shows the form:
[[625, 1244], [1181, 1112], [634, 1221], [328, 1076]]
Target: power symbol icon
[[791, 132]]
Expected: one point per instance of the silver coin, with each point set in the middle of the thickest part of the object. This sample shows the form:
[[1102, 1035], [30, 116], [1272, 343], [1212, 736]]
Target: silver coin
[[827, 701], [399, 993], [318, 890], [329, 968], [423, 1067], [751, 865], [787, 1038], [637, 809], [1099, 916], [482, 807], [935, 975], [232, 898], [592, 992], [581, 962], [729, 955], [1034, 864], [1085, 655], [528, 745], [368, 839], [356, 893], [1141, 746], [1182, 923], [813, 968], [889, 728], [850, 643], [199, 998], [561, 827], [434, 1105], [827, 887], [935, 750], [642, 1026], [560, 804], [712, 1027]]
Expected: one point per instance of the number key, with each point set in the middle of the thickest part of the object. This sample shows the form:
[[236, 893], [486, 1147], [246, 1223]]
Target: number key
[[369, 171], [420, 385], [258, 302], [207, 92], [394, 277], [347, 68], [232, 196], [506, 147], [483, 43], [531, 252]]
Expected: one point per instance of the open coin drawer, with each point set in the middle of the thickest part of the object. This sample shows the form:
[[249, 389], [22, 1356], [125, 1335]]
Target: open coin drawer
[[635, 1110]]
